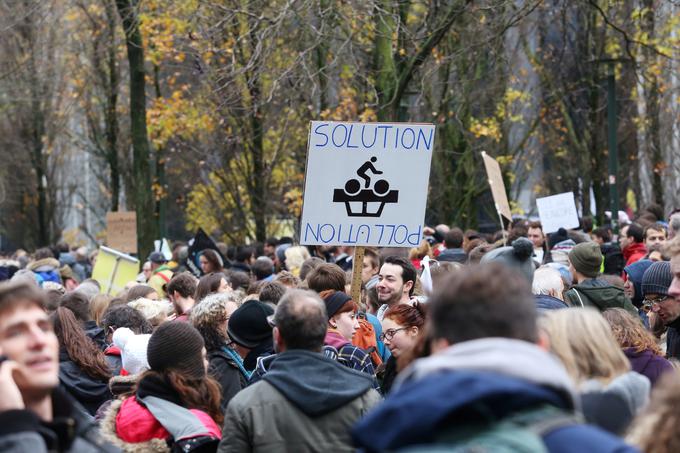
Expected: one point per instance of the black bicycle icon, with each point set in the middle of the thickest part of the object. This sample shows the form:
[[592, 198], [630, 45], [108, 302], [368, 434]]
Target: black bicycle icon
[[369, 201]]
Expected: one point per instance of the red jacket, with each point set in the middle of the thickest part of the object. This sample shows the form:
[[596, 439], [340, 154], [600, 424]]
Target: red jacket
[[129, 422], [634, 252]]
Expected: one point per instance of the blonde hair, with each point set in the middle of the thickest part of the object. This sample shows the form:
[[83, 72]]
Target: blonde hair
[[98, 306], [655, 429], [295, 256], [584, 343]]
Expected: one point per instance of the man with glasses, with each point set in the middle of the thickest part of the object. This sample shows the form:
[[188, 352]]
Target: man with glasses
[[662, 306]]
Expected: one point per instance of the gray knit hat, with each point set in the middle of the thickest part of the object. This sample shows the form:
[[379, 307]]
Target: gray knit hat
[[517, 255], [657, 278], [586, 258]]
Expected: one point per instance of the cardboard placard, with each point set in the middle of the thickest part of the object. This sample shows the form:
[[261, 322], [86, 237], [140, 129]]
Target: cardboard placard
[[500, 196], [557, 211], [121, 231], [366, 184]]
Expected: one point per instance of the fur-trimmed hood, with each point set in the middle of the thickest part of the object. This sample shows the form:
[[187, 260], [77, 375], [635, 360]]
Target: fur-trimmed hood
[[107, 429], [44, 265]]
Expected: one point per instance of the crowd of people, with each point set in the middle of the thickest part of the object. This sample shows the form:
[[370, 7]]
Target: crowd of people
[[512, 341]]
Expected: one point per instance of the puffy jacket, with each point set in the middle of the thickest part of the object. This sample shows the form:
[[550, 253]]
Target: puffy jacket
[[88, 391], [598, 294], [47, 270], [305, 402], [70, 430], [129, 425]]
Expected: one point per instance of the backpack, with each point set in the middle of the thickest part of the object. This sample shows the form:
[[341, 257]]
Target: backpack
[[521, 432], [365, 338]]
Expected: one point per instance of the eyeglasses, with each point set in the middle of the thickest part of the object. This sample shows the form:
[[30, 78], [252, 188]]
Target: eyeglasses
[[389, 334], [649, 303]]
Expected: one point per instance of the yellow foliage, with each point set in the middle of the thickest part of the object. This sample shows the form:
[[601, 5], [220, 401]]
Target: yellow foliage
[[177, 117]]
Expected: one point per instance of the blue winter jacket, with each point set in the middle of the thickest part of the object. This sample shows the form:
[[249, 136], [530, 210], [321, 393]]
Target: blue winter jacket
[[417, 411]]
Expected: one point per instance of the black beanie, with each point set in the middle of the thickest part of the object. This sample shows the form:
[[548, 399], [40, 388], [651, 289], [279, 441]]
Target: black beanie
[[248, 325], [334, 302], [657, 279], [177, 346], [586, 258]]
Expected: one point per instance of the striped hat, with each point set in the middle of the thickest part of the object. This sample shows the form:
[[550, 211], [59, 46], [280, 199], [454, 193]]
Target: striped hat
[[657, 279]]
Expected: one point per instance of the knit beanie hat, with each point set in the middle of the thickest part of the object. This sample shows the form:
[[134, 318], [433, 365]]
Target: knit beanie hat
[[586, 258], [132, 349], [657, 278], [635, 272], [518, 256], [248, 325], [334, 302], [177, 346]]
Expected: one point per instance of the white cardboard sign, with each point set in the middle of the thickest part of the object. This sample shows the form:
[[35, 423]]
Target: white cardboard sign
[[366, 183], [557, 211]]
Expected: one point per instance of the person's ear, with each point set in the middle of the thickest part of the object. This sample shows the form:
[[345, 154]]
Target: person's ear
[[333, 323], [438, 345], [408, 285], [543, 341], [278, 341]]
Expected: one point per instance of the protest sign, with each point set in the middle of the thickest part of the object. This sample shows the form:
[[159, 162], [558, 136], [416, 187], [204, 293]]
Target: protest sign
[[557, 211], [164, 247], [121, 231], [366, 183], [199, 243], [113, 270], [500, 197]]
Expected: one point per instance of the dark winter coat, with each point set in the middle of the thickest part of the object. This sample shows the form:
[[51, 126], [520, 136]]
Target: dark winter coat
[[673, 340], [70, 430], [453, 255], [225, 370], [389, 375], [545, 302], [648, 364], [598, 294], [88, 391], [96, 333]]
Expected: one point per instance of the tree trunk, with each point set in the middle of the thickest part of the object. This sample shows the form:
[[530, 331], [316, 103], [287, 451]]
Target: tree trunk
[[147, 227], [111, 116]]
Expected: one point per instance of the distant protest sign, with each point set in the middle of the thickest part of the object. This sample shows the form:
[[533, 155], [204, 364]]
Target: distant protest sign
[[557, 211], [113, 270], [121, 231], [366, 183], [201, 241], [500, 196]]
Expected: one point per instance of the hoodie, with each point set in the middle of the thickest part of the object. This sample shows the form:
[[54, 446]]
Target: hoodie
[[488, 378], [315, 384], [305, 402]]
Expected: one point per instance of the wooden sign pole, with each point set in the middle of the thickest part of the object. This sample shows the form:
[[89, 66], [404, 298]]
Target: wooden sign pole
[[357, 266]]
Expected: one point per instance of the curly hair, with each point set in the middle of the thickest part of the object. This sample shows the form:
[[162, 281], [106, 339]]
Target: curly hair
[[209, 314], [629, 332], [655, 429]]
